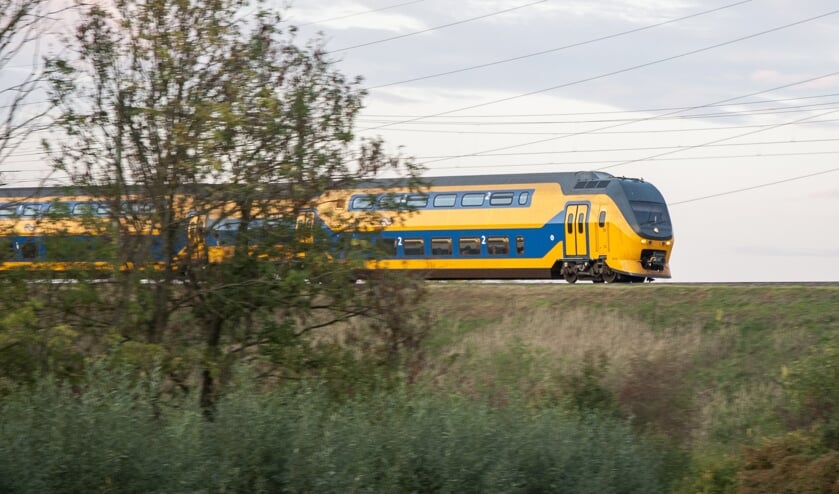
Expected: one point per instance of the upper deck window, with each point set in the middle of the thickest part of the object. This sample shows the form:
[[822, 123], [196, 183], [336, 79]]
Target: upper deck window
[[31, 210], [8, 210], [361, 202], [501, 199], [416, 201], [89, 209], [472, 199], [444, 200], [523, 198]]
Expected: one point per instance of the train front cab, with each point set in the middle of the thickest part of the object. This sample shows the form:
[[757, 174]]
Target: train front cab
[[620, 233]]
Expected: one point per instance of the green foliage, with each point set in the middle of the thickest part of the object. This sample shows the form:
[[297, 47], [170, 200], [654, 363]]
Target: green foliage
[[110, 435], [711, 473], [812, 386], [586, 391]]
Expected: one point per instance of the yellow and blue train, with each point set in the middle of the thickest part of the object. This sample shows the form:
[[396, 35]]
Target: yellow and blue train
[[572, 225], [566, 225]]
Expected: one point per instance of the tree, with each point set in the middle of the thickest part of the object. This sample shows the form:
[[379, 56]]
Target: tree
[[205, 115]]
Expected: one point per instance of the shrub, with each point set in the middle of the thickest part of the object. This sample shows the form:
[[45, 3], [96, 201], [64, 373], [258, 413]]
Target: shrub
[[111, 436]]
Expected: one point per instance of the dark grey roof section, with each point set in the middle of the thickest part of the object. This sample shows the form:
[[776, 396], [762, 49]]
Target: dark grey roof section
[[581, 182], [566, 180]]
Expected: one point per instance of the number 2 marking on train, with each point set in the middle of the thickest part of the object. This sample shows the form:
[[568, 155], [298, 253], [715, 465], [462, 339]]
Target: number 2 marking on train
[[483, 239], [399, 241]]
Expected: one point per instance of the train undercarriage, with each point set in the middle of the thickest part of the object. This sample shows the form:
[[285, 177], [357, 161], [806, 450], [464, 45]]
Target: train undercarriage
[[595, 270]]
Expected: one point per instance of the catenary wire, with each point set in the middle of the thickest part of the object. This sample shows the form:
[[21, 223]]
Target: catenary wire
[[435, 28], [559, 48], [619, 71], [644, 119], [754, 187], [356, 14]]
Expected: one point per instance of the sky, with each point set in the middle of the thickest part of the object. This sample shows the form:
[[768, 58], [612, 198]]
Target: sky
[[711, 101], [729, 107]]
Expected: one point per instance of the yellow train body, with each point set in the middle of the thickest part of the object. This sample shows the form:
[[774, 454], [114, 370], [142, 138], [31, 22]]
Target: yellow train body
[[583, 225]]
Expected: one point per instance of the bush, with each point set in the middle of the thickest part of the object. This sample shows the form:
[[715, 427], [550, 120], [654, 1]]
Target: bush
[[114, 437]]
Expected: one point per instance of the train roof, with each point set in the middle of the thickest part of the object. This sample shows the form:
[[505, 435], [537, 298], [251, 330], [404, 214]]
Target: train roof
[[565, 179], [569, 181]]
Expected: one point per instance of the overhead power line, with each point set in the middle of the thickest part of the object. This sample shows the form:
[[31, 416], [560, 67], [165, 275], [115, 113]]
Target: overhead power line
[[356, 14], [598, 131], [723, 139], [615, 72], [605, 112], [644, 119], [559, 48], [435, 28], [696, 116], [754, 187], [645, 148], [577, 164]]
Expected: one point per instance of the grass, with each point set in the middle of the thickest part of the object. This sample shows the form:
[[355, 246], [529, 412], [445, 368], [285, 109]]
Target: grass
[[703, 363]]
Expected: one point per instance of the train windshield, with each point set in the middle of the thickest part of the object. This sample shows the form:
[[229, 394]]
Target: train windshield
[[650, 214], [646, 211]]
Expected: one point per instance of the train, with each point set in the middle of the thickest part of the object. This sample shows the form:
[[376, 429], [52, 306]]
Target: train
[[587, 225]]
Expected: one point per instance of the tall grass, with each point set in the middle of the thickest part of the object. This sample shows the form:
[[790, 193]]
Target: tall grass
[[112, 437]]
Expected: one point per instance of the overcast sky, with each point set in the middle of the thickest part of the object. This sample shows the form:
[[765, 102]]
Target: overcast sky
[[710, 100]]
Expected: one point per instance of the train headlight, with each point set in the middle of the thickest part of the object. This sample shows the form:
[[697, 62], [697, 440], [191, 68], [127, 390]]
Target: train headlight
[[644, 241]]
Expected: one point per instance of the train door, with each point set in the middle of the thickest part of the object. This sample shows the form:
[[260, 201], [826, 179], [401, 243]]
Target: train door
[[576, 230], [602, 233], [306, 227], [195, 234]]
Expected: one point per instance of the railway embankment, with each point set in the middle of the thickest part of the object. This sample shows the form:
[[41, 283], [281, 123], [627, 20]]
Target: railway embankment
[[743, 376]]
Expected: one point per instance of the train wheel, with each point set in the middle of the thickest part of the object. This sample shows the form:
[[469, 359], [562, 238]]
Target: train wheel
[[608, 275], [570, 277]]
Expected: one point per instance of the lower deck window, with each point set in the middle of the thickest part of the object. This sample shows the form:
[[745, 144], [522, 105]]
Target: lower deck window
[[387, 246], [441, 246], [469, 246], [414, 246], [498, 245]]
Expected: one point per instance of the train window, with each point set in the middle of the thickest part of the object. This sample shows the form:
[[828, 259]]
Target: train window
[[441, 246], [390, 201], [444, 200], [29, 249], [7, 210], [414, 246], [139, 208], [501, 199], [30, 210], [472, 199], [89, 209], [387, 246], [361, 202], [519, 244], [469, 246], [569, 223], [523, 198], [498, 245], [602, 220], [581, 223], [416, 201]]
